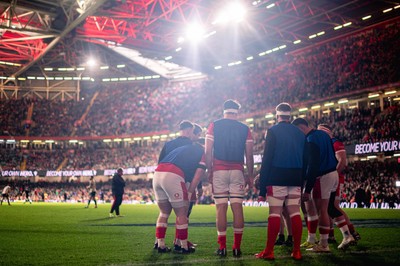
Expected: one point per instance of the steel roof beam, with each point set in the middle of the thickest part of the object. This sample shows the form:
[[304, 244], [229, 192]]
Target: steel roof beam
[[91, 9]]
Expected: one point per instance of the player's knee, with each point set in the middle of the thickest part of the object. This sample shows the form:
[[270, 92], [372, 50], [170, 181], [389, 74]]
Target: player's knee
[[293, 202], [333, 211], [275, 202], [164, 215], [179, 204], [221, 200], [236, 199]]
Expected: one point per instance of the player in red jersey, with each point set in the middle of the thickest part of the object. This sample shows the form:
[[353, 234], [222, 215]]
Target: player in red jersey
[[340, 153], [228, 141], [180, 166]]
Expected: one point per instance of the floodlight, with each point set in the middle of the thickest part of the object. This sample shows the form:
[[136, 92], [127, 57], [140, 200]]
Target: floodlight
[[195, 32], [181, 39], [237, 11], [91, 62], [233, 12]]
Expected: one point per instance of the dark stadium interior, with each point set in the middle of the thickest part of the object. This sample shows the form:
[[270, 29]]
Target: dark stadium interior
[[58, 113]]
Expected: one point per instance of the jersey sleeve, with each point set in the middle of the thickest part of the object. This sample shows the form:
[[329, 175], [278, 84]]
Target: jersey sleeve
[[249, 138], [338, 146], [210, 132]]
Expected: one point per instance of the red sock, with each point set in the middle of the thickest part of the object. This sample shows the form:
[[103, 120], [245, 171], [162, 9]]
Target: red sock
[[181, 234], [312, 226], [331, 233], [323, 230], [160, 232], [222, 241], [237, 238], [274, 224], [297, 230], [351, 228]]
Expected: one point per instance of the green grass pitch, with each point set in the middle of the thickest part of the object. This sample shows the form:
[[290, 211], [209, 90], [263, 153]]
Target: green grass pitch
[[68, 234]]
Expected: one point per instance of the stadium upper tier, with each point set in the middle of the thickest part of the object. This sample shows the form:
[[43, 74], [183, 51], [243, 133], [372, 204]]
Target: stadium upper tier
[[337, 68]]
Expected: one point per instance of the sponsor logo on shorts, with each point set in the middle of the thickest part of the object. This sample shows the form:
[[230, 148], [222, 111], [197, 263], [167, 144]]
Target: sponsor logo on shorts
[[177, 196]]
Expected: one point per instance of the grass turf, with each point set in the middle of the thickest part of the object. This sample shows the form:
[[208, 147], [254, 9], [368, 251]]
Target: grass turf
[[68, 234]]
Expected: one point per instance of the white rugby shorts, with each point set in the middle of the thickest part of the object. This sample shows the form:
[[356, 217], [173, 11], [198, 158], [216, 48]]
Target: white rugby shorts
[[169, 186], [325, 185], [228, 181]]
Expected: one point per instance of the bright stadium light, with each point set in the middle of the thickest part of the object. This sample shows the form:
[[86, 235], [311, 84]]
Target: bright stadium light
[[233, 12], [91, 62], [181, 39], [195, 32], [390, 92]]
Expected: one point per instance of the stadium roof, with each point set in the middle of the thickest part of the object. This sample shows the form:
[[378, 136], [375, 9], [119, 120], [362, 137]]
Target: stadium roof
[[39, 34]]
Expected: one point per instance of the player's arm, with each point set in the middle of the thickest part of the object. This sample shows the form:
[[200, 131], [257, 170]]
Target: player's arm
[[209, 146], [198, 176], [312, 166], [162, 154], [266, 162], [342, 160], [249, 161], [200, 189]]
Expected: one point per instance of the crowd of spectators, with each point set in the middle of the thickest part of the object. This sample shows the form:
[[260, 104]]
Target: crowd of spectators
[[361, 61], [362, 125], [367, 182], [351, 126], [372, 182]]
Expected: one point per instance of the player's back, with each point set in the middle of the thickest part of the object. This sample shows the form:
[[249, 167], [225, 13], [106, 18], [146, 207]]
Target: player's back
[[229, 140]]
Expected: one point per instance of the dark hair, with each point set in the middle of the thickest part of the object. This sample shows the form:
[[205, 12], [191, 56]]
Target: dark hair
[[197, 129], [284, 107], [231, 104], [300, 121], [184, 124], [325, 126]]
